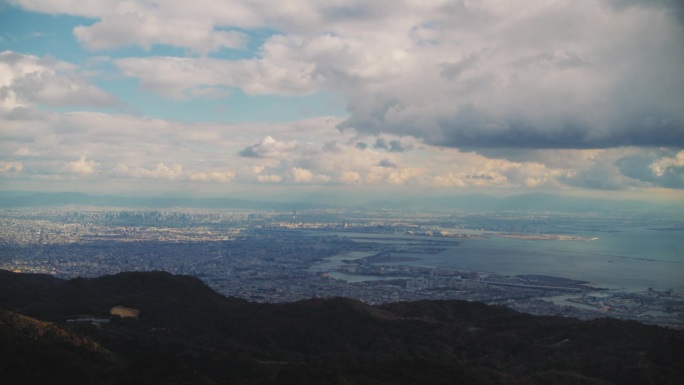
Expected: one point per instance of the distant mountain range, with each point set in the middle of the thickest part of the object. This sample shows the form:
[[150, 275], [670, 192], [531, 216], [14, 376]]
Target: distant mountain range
[[188, 334], [538, 202], [33, 199]]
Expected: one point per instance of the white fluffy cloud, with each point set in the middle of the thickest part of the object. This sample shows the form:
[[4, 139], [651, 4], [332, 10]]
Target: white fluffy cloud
[[339, 162], [557, 74], [661, 166], [269, 148], [160, 171], [10, 167], [472, 170], [455, 94], [82, 166], [655, 167], [497, 74], [336, 161], [214, 176], [144, 29], [140, 149], [27, 80], [23, 151]]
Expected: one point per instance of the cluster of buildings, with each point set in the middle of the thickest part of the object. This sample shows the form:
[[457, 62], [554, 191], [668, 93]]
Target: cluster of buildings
[[260, 258]]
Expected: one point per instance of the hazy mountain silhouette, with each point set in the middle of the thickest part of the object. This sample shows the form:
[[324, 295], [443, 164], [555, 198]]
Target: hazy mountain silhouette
[[538, 202], [35, 199], [187, 333], [475, 202]]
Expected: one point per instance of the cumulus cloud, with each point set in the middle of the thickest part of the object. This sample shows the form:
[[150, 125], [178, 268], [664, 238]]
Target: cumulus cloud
[[539, 77], [26, 80], [140, 148], [303, 175], [401, 176], [23, 151], [82, 166], [213, 176], [10, 167], [269, 148], [350, 177], [469, 170], [506, 94], [60, 90], [239, 154], [387, 163], [661, 165], [391, 146], [141, 28], [660, 168], [160, 171], [602, 176], [280, 71], [330, 162], [269, 178], [483, 74]]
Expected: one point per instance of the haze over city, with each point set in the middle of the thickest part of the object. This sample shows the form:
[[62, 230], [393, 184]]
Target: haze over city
[[343, 101]]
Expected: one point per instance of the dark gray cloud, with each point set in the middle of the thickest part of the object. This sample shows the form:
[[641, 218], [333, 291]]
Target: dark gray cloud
[[673, 177], [575, 76], [387, 163], [368, 11], [471, 128], [249, 152], [513, 154], [551, 60], [651, 168], [675, 7], [26, 114], [646, 168], [479, 177], [453, 70], [489, 74], [332, 146], [391, 146], [270, 148], [600, 177]]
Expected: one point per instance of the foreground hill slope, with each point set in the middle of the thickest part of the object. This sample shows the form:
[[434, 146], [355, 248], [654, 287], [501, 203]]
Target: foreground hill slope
[[187, 333]]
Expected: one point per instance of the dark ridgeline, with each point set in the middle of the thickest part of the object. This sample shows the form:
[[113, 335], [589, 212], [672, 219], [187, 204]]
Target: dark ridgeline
[[188, 334]]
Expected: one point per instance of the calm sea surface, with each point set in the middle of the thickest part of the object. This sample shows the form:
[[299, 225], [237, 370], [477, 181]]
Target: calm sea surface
[[631, 258]]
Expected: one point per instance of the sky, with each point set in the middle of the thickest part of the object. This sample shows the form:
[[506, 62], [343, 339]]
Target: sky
[[345, 99]]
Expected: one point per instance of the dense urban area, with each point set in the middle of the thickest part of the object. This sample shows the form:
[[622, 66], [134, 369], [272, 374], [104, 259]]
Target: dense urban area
[[287, 256]]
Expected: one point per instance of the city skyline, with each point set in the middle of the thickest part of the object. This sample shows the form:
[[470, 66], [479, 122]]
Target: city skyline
[[343, 99]]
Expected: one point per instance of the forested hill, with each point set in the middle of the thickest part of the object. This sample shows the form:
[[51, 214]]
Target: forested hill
[[186, 333]]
